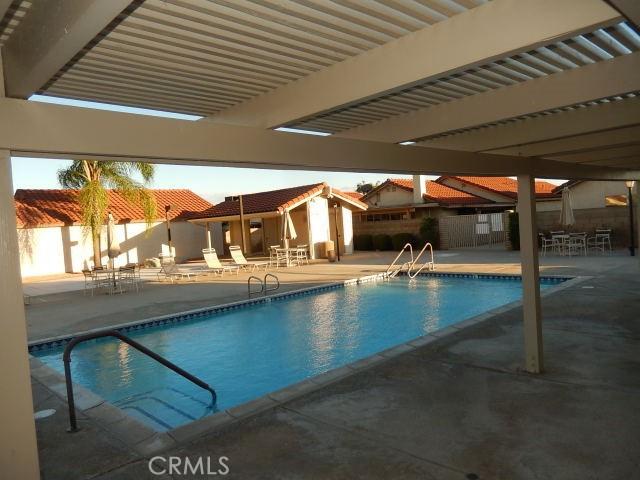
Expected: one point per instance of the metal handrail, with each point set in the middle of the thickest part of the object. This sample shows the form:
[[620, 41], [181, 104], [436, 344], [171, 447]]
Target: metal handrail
[[428, 244], [396, 259], [66, 357], [252, 292], [266, 288]]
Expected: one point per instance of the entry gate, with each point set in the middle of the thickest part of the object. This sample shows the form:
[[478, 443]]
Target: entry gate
[[469, 231]]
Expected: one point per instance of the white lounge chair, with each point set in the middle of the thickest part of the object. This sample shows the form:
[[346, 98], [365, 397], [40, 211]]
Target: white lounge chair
[[240, 261], [215, 265]]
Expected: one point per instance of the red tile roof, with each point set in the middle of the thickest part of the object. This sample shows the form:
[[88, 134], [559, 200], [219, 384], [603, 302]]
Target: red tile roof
[[60, 207], [504, 185], [272, 201], [356, 195], [439, 193]]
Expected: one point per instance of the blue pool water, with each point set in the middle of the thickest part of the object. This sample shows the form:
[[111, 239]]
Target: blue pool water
[[251, 351]]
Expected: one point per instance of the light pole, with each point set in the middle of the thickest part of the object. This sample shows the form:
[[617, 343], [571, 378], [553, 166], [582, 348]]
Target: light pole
[[632, 249], [167, 209], [335, 216]]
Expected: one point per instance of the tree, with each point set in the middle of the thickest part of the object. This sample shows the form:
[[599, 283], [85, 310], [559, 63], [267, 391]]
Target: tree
[[364, 187], [92, 178]]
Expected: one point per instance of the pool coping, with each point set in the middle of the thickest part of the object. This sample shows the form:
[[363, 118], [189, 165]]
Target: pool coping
[[145, 441]]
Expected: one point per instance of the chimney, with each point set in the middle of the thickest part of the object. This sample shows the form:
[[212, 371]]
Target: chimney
[[419, 188]]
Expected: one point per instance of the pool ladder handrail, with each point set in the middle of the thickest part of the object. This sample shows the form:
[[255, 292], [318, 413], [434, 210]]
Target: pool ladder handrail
[[399, 269], [430, 264], [66, 357], [264, 286]]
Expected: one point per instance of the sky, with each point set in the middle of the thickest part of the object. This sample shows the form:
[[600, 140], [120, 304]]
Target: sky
[[211, 183]]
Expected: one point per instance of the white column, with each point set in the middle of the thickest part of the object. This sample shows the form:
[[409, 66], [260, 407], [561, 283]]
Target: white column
[[18, 448], [530, 275], [208, 235]]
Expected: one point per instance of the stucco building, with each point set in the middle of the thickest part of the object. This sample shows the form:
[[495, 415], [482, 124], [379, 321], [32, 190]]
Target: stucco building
[[52, 239], [319, 213]]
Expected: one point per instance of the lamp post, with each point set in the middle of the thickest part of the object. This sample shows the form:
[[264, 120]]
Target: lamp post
[[167, 209], [335, 216], [632, 249]]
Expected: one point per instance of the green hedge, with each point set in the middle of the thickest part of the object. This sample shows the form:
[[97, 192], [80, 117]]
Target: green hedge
[[399, 240], [430, 231], [363, 242], [514, 230], [382, 242]]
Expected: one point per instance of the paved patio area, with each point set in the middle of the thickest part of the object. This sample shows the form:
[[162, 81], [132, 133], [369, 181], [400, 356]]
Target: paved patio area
[[455, 408]]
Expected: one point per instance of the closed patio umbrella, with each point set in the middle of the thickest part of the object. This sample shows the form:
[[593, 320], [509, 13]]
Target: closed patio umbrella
[[566, 212], [288, 229], [113, 247]]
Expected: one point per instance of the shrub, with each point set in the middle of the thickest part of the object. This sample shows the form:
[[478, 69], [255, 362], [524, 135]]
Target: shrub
[[399, 240], [382, 242], [430, 231], [514, 231], [363, 242]]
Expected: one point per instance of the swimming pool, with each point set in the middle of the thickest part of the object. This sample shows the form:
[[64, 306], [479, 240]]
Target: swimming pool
[[246, 352]]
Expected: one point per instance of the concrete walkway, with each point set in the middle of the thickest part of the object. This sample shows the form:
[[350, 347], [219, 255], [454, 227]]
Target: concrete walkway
[[451, 410]]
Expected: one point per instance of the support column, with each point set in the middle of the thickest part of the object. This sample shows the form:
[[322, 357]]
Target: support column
[[208, 235], [18, 448], [637, 219], [530, 274]]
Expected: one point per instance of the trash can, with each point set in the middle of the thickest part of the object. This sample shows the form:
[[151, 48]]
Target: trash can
[[330, 250]]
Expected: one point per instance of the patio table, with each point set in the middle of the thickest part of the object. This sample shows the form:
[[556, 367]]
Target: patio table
[[291, 254], [109, 278]]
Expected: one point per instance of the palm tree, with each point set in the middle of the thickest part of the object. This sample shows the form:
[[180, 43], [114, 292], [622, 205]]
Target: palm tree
[[92, 178]]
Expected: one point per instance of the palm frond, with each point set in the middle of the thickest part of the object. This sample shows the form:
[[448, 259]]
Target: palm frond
[[73, 176], [94, 202], [135, 193]]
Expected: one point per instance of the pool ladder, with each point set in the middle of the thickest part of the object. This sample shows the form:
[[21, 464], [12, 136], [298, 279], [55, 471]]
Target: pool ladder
[[66, 357], [410, 265], [264, 286]]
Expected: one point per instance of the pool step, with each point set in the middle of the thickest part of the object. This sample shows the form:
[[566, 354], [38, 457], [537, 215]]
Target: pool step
[[165, 408]]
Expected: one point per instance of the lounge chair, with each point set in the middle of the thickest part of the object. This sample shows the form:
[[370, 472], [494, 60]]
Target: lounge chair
[[172, 271], [169, 270], [215, 265], [238, 259]]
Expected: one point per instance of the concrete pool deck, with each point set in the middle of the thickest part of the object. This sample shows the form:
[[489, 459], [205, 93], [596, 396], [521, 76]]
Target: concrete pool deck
[[445, 410]]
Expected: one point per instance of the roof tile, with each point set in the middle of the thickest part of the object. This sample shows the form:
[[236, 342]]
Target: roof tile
[[36, 208]]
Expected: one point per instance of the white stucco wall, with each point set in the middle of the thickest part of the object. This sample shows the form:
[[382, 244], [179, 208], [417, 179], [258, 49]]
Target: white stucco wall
[[390, 196], [319, 225], [55, 250], [41, 251]]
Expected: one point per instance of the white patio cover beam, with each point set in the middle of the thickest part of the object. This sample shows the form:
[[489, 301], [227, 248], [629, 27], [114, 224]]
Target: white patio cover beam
[[495, 30], [577, 143], [580, 85], [55, 131], [51, 34], [595, 118]]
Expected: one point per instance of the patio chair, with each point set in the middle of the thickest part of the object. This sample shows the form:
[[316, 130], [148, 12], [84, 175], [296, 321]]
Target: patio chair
[[214, 264], [601, 241], [239, 260], [89, 281], [302, 255], [273, 255], [127, 276], [548, 243], [577, 243]]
